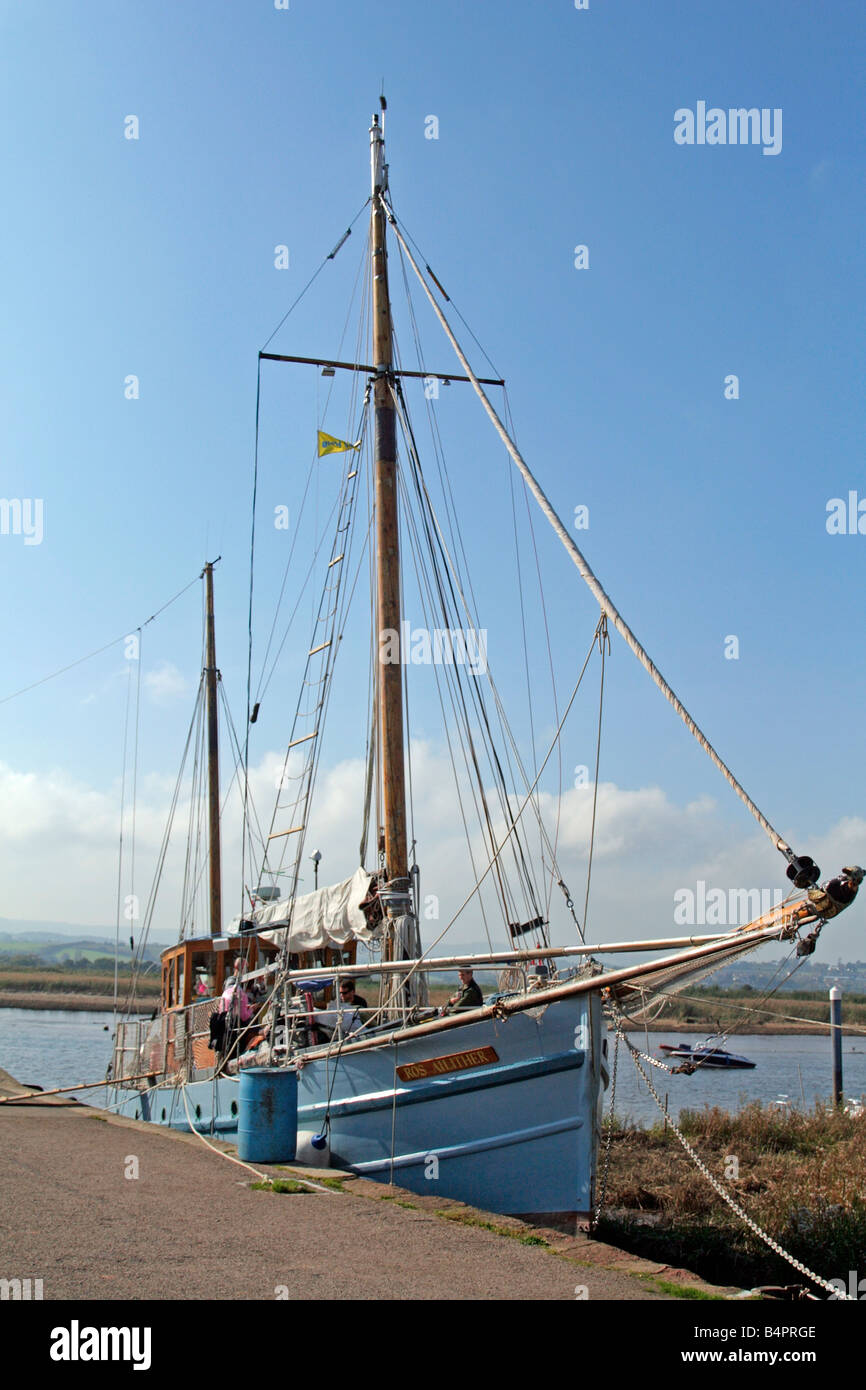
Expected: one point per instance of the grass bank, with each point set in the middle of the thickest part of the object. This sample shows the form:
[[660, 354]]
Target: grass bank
[[35, 987], [800, 1176], [792, 1012]]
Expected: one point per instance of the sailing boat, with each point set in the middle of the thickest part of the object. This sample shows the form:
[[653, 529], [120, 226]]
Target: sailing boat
[[496, 1101]]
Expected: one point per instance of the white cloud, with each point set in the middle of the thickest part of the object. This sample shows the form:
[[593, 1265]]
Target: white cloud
[[165, 683], [59, 841], [633, 822]]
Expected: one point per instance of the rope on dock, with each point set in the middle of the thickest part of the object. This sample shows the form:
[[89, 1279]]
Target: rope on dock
[[262, 1177]]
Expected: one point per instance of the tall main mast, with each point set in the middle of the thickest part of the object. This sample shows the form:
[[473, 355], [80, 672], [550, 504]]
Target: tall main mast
[[387, 534]]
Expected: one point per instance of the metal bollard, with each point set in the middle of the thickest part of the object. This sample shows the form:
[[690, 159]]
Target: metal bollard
[[836, 1039]]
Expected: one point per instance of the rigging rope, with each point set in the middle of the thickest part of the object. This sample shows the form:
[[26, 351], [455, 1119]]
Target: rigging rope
[[332, 618], [99, 650], [120, 842], [423, 577], [135, 781], [436, 543], [265, 677], [455, 585], [456, 680], [453, 577], [550, 662], [583, 567], [603, 646], [138, 959], [246, 794], [507, 835], [330, 256], [452, 585]]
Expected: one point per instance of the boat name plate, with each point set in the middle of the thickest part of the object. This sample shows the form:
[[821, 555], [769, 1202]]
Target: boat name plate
[[454, 1061]]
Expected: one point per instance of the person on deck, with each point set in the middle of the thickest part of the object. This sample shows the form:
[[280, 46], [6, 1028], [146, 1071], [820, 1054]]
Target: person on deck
[[348, 995], [233, 979], [467, 997], [351, 1005], [235, 1001]]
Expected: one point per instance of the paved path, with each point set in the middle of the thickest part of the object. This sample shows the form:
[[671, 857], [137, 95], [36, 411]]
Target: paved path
[[189, 1227]]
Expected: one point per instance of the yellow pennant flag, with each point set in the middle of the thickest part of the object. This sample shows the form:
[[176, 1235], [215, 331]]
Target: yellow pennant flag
[[329, 445]]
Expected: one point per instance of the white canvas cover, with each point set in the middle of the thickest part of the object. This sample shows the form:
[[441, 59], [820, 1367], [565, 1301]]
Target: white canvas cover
[[327, 917]]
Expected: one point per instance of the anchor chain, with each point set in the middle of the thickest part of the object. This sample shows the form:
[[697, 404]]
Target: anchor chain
[[596, 1215], [735, 1207]]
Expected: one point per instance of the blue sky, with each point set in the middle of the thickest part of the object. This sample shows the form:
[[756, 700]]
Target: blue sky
[[155, 257]]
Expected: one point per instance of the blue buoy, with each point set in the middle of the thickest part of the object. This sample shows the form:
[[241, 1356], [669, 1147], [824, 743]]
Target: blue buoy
[[268, 1115]]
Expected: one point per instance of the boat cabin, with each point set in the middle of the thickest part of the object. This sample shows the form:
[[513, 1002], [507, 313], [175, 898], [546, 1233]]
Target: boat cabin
[[196, 970]]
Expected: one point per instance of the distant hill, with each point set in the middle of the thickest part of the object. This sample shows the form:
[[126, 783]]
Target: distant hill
[[57, 943], [850, 976]]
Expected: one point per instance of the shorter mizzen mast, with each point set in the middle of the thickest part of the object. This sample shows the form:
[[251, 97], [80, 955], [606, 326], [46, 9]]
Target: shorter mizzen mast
[[213, 766]]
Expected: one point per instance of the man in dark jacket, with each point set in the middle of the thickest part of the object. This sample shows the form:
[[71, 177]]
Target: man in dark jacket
[[348, 995], [467, 997]]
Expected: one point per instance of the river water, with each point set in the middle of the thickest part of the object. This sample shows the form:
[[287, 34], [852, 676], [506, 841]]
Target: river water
[[53, 1047], [797, 1068]]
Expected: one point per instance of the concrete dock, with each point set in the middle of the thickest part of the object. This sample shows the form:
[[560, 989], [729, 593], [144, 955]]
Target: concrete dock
[[99, 1207]]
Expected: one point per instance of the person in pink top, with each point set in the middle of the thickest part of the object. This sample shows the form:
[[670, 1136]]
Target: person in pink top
[[235, 1001]]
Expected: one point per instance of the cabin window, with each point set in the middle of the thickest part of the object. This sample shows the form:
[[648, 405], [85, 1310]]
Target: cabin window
[[204, 967]]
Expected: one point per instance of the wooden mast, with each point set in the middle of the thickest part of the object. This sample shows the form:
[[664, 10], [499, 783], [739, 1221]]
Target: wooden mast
[[213, 768], [387, 534]]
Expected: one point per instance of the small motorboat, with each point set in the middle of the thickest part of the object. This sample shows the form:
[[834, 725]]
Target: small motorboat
[[705, 1055]]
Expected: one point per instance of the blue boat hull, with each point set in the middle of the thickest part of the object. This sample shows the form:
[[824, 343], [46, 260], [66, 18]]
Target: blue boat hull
[[514, 1130]]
